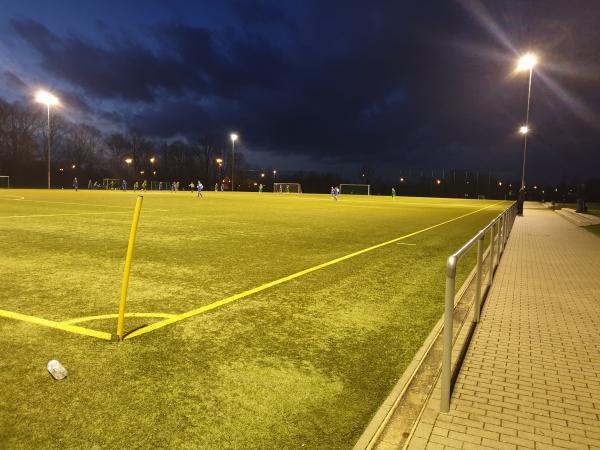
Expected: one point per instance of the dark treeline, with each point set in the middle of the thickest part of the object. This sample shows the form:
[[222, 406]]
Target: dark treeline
[[83, 151]]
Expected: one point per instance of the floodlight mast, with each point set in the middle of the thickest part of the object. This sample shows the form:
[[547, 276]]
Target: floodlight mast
[[233, 137], [526, 62], [47, 99]]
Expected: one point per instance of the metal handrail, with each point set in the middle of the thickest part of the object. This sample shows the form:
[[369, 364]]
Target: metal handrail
[[499, 229]]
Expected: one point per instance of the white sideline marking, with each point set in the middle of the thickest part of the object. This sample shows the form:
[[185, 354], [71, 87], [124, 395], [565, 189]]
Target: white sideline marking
[[65, 214], [404, 243], [78, 204]]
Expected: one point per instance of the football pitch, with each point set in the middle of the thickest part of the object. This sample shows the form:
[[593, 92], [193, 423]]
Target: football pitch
[[253, 320]]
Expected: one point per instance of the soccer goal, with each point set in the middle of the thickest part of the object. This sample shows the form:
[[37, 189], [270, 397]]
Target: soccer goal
[[162, 185], [355, 189], [287, 188], [111, 183], [4, 182]]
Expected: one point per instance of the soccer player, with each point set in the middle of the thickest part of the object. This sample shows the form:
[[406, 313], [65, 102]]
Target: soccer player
[[200, 187], [337, 192], [287, 188], [280, 189], [144, 185], [136, 186], [124, 185], [192, 186], [173, 186], [260, 188], [393, 193], [75, 184], [333, 193], [90, 184]]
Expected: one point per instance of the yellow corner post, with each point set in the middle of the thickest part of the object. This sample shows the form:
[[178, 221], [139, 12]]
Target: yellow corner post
[[128, 258]]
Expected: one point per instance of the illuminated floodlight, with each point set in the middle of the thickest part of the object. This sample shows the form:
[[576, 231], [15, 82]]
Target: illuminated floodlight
[[128, 160], [527, 62], [234, 137], [524, 129], [46, 98], [152, 160]]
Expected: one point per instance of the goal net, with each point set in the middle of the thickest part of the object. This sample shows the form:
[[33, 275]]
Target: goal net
[[355, 189], [111, 183], [4, 182], [294, 188]]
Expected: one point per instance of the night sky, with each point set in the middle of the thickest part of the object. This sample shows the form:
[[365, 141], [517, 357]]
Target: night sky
[[323, 85]]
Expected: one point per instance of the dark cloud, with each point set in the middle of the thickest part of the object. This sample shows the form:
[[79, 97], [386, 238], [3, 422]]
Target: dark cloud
[[13, 81], [125, 71]]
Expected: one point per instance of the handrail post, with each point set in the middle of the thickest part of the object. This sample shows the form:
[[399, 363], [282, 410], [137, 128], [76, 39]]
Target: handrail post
[[478, 279], [498, 240], [491, 272], [448, 318]]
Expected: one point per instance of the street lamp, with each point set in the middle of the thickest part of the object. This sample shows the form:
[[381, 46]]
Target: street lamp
[[526, 62], [128, 161], [233, 138], [47, 99], [219, 165]]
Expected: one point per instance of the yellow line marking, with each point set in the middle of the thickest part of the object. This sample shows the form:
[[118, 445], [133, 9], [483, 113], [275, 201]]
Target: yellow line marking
[[114, 316], [57, 325], [233, 298]]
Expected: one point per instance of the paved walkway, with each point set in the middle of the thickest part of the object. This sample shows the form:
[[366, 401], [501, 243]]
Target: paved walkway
[[531, 378]]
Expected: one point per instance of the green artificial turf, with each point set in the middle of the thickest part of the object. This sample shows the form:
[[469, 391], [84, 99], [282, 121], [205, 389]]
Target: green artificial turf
[[303, 364]]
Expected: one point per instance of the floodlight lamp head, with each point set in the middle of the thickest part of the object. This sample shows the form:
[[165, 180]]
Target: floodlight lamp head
[[524, 129], [527, 62], [234, 137], [46, 98], [128, 160]]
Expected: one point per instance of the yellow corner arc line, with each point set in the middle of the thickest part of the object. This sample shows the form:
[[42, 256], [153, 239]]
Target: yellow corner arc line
[[233, 298], [56, 325], [114, 316]]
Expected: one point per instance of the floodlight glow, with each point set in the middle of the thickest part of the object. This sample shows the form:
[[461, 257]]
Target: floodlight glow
[[219, 160], [233, 137], [46, 98], [152, 160], [524, 129], [527, 62], [128, 160]]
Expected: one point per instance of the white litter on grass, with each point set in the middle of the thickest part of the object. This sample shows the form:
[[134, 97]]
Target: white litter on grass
[[57, 370]]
